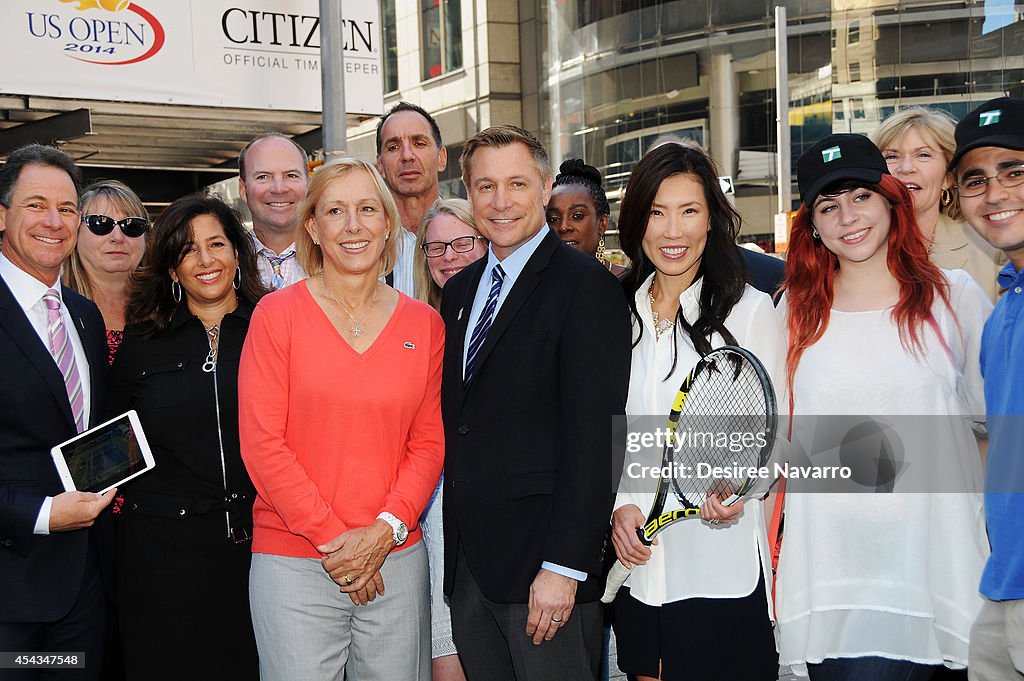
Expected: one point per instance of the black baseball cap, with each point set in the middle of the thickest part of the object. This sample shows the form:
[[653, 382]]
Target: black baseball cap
[[996, 123], [842, 156]]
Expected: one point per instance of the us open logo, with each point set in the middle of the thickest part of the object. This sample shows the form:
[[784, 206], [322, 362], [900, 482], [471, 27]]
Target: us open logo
[[105, 32]]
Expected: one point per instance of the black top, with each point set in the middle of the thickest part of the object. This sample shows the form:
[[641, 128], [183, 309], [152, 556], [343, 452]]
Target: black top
[[163, 379]]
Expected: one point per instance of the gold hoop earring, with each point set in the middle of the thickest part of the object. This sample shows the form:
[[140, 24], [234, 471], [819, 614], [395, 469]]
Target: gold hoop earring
[[946, 198], [601, 253]]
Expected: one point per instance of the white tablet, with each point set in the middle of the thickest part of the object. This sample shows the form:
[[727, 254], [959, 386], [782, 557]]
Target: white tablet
[[104, 457]]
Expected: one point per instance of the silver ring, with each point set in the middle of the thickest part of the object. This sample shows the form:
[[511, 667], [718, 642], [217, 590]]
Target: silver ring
[[714, 521], [556, 621]]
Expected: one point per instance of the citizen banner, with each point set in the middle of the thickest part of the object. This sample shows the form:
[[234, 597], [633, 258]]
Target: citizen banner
[[254, 54]]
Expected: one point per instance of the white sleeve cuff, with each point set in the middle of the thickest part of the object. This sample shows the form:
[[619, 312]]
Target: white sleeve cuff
[[565, 572], [43, 519]]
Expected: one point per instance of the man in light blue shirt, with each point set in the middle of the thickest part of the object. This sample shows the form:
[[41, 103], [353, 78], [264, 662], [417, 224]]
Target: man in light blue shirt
[[989, 168]]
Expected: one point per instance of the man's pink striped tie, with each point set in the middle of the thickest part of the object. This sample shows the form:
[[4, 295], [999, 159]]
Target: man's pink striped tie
[[64, 355]]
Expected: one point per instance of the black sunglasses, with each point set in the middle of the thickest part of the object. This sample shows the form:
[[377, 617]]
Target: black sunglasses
[[102, 225]]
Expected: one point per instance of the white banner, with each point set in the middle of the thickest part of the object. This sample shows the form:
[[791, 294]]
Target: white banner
[[254, 54]]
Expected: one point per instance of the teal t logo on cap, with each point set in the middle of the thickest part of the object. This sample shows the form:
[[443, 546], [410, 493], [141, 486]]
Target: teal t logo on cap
[[989, 117], [831, 154]]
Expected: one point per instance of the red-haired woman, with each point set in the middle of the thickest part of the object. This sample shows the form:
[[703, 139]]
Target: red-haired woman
[[878, 586]]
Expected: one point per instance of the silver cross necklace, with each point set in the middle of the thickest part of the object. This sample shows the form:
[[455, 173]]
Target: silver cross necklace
[[356, 328]]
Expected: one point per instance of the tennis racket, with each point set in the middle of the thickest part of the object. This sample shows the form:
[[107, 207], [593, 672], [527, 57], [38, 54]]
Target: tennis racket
[[727, 392]]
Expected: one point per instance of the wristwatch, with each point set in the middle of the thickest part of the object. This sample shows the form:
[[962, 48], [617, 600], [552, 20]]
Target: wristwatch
[[399, 532]]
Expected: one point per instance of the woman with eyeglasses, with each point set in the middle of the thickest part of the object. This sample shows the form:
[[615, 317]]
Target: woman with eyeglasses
[[185, 528], [917, 144], [578, 210], [447, 241], [111, 244]]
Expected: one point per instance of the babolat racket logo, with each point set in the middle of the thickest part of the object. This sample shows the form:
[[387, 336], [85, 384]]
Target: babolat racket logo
[[831, 154], [669, 517], [989, 117]]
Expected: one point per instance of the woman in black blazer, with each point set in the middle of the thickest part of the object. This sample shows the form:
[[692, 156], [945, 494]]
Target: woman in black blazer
[[184, 528]]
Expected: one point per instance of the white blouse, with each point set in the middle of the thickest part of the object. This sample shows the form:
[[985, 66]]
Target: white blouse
[[705, 560], [892, 575]]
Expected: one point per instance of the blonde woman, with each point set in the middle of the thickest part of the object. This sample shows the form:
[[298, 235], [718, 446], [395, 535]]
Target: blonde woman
[[446, 242], [340, 424], [111, 244], [917, 144]]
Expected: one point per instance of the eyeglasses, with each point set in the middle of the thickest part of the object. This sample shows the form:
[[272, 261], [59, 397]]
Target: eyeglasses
[[462, 244], [976, 185], [102, 225]]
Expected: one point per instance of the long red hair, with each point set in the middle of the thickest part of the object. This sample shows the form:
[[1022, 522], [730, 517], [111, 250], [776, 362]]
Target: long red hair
[[811, 271]]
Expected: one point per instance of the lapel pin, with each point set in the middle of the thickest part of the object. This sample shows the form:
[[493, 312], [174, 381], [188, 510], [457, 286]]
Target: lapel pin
[[459, 318]]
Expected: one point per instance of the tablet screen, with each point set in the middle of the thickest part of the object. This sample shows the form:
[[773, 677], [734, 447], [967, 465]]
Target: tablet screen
[[105, 456]]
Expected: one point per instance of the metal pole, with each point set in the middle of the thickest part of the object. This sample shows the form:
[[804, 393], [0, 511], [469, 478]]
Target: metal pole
[[332, 74], [782, 111]]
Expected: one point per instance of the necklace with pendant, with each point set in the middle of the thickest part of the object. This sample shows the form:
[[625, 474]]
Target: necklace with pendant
[[213, 337], [356, 328], [661, 325]]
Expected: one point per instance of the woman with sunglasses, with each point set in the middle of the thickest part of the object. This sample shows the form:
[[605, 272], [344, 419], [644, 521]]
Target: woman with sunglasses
[[446, 242], [111, 244]]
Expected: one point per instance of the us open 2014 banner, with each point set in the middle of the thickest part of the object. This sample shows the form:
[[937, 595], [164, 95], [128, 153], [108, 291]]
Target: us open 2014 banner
[[235, 53]]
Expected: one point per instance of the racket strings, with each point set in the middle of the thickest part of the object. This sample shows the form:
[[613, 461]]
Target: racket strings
[[722, 431]]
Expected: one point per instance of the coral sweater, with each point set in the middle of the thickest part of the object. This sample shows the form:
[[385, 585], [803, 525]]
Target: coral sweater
[[332, 437]]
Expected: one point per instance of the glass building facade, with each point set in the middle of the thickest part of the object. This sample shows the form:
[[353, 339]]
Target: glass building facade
[[619, 73]]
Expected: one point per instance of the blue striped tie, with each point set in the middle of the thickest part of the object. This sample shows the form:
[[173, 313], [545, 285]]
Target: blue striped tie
[[483, 324]]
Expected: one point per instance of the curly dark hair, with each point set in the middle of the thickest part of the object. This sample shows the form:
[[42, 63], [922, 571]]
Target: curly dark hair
[[151, 306], [575, 171]]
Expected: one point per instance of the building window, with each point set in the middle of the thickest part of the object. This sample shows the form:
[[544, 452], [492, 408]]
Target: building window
[[442, 37], [390, 31], [853, 32], [855, 72]]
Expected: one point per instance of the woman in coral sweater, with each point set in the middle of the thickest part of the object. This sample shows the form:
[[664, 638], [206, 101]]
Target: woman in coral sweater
[[341, 431]]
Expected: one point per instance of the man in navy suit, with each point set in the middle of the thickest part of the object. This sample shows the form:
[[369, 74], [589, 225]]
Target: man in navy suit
[[536, 364], [52, 594]]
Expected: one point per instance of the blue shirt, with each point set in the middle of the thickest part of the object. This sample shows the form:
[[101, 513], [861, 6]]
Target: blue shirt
[[1002, 366], [513, 265]]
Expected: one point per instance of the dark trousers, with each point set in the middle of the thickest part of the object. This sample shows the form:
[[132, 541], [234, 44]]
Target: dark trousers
[[870, 669], [493, 645], [82, 630]]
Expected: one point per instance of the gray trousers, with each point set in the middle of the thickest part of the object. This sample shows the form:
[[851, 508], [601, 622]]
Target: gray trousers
[[307, 630], [997, 642], [493, 645]]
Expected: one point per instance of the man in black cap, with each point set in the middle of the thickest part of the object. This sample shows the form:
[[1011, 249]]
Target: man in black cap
[[989, 169]]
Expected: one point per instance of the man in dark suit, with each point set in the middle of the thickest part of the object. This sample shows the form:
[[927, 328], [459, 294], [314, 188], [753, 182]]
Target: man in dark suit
[[52, 596], [536, 364]]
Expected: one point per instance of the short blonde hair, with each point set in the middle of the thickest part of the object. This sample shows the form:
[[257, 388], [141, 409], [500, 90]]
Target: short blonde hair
[[935, 125], [460, 209], [309, 255]]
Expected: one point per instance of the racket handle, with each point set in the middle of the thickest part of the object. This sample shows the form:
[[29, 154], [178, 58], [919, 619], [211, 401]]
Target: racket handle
[[616, 578]]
